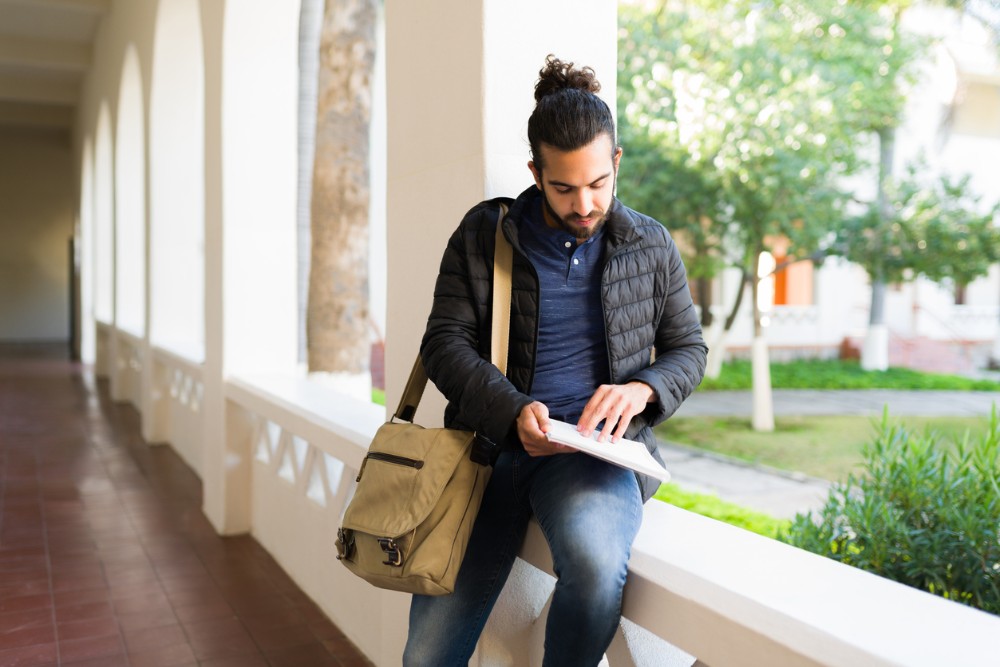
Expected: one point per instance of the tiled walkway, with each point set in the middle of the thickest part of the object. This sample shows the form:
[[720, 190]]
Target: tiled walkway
[[106, 558]]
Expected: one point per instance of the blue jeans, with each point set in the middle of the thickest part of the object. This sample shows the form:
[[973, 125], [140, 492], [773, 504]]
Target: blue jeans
[[589, 511]]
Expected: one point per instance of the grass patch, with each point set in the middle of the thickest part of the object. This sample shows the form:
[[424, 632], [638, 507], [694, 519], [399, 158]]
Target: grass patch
[[836, 374], [829, 447], [715, 508]]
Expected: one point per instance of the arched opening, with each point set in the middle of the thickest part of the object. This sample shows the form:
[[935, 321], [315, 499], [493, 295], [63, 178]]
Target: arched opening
[[260, 73], [177, 182], [84, 253], [104, 220], [130, 200]]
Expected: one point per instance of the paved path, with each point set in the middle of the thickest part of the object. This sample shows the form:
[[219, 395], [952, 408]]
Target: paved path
[[797, 402], [784, 494]]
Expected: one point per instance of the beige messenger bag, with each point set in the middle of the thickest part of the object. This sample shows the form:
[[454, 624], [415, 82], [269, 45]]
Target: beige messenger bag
[[419, 489]]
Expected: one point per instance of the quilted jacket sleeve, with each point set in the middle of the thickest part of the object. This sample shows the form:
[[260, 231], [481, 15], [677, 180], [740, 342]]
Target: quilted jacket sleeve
[[455, 357], [680, 350]]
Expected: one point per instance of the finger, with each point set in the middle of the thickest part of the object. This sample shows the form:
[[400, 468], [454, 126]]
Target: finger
[[623, 423], [542, 417], [609, 424], [593, 412]]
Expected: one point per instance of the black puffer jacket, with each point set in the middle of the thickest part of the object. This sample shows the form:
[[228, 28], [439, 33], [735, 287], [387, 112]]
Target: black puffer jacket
[[647, 308]]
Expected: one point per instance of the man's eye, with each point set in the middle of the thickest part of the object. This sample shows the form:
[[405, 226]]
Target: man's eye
[[563, 191]]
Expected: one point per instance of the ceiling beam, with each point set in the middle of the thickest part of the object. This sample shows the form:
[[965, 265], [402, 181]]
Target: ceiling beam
[[88, 6], [44, 54], [38, 91], [35, 115]]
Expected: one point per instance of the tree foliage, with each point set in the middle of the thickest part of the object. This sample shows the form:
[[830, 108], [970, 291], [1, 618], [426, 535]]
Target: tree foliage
[[741, 118], [932, 227]]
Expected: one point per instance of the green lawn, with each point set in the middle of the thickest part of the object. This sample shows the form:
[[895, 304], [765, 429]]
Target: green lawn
[[721, 510], [827, 447]]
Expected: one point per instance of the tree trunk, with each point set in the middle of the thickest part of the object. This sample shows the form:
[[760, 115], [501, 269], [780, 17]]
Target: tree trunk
[[762, 414], [310, 24], [716, 337], [337, 318], [703, 287], [875, 352]]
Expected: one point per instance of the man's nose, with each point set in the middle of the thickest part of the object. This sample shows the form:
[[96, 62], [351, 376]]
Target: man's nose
[[583, 203]]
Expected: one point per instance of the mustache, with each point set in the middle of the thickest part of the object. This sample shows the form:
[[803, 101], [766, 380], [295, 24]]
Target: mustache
[[574, 217]]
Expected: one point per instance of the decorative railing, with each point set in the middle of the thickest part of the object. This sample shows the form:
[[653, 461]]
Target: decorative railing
[[176, 405], [698, 589], [104, 334], [126, 383], [964, 323]]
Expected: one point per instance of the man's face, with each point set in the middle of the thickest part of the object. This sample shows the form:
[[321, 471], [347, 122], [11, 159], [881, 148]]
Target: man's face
[[578, 186]]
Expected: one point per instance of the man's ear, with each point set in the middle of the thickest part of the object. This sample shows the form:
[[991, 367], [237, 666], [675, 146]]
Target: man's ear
[[617, 158], [536, 173]]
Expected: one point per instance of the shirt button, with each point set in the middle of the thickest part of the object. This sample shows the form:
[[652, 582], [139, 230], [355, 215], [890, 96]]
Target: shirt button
[[569, 243], [576, 261]]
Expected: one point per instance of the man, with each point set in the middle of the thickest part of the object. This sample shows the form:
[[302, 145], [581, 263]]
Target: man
[[597, 288]]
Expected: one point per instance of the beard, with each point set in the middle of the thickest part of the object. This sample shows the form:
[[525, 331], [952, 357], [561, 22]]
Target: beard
[[570, 223]]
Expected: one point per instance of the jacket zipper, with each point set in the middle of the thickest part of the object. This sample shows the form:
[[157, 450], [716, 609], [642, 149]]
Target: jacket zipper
[[389, 458]]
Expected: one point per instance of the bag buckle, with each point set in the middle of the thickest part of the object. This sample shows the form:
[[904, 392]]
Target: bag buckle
[[392, 551], [345, 543], [484, 451]]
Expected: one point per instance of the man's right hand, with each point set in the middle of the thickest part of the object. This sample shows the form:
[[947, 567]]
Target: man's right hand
[[532, 424]]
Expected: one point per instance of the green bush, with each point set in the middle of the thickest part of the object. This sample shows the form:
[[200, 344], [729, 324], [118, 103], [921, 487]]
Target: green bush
[[921, 514], [848, 374]]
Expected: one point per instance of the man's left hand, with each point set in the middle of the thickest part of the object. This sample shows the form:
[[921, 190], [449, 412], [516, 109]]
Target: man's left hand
[[615, 404]]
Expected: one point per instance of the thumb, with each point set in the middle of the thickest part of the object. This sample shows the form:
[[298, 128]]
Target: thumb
[[542, 416]]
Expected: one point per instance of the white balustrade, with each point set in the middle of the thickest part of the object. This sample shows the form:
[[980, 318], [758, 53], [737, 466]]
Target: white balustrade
[[699, 591], [103, 342], [176, 406], [720, 594], [126, 383], [972, 323]]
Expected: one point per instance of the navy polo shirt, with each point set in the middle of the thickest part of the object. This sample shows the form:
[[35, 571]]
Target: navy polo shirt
[[572, 354]]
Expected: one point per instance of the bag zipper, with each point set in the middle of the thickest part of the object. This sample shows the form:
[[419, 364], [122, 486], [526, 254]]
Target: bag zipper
[[389, 458]]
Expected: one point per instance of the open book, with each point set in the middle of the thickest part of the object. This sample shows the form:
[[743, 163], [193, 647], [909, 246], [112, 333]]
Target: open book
[[625, 453]]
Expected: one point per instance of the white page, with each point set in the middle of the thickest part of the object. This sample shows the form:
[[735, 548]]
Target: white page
[[625, 453]]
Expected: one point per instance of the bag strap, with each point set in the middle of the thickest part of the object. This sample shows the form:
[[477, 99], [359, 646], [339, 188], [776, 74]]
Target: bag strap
[[503, 262]]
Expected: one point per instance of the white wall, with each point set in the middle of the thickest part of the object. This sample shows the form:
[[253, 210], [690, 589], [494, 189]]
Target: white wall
[[37, 192]]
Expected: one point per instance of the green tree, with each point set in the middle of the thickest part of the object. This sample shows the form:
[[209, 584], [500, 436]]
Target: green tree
[[742, 118], [932, 227]]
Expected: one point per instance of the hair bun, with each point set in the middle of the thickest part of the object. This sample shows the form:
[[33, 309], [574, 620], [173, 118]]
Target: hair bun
[[558, 75]]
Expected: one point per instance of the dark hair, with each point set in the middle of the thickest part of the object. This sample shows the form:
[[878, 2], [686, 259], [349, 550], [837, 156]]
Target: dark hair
[[568, 114]]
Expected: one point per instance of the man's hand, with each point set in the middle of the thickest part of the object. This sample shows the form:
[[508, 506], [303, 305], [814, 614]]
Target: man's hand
[[615, 404], [532, 424]]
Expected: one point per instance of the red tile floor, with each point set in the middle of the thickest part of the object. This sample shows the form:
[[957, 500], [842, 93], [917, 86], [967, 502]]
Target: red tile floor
[[105, 556]]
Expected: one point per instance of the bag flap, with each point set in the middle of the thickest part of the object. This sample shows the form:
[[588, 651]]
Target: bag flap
[[393, 498]]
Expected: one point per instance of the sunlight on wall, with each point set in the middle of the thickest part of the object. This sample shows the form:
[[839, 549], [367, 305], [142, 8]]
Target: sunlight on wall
[[260, 73], [130, 200], [104, 223], [177, 168], [84, 248]]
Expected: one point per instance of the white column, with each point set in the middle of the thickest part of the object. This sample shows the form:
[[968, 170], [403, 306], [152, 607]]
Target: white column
[[226, 488], [251, 62], [460, 89]]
